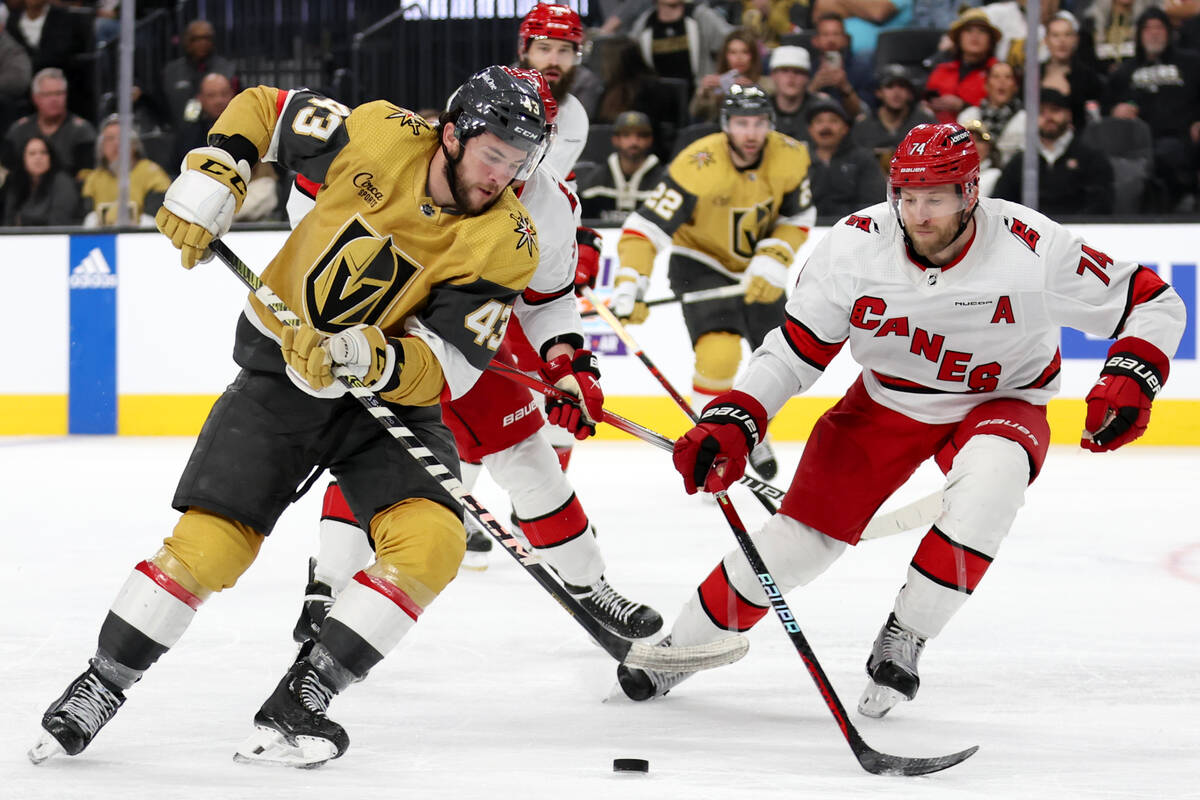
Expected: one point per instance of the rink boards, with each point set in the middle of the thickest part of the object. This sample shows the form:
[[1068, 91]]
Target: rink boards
[[111, 336]]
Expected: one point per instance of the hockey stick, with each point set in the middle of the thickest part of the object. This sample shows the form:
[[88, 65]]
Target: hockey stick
[[625, 336], [698, 296], [624, 651], [918, 514], [871, 760]]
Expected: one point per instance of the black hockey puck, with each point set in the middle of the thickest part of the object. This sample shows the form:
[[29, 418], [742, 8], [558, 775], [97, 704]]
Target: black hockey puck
[[631, 765]]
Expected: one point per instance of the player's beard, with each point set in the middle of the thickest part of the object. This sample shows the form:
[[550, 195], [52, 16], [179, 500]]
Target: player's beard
[[558, 88], [945, 232], [461, 191]]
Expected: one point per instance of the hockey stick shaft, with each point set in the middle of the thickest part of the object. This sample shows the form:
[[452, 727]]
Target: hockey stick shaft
[[622, 650], [698, 296], [870, 759], [920, 513], [625, 336]]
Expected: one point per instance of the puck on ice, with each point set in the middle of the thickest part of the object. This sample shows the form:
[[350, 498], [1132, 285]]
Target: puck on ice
[[631, 765]]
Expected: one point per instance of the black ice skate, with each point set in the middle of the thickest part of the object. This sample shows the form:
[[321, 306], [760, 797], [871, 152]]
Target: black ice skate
[[72, 721], [892, 667], [479, 544], [318, 597], [762, 459], [291, 728], [643, 684], [616, 612]]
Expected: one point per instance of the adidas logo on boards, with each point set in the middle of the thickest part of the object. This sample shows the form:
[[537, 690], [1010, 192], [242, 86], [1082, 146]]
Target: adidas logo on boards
[[93, 272]]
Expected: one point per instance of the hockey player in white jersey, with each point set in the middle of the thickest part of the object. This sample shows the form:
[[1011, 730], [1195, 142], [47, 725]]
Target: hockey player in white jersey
[[497, 424], [953, 306], [550, 40]]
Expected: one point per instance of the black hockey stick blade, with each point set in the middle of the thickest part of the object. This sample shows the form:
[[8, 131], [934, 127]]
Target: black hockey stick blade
[[878, 763]]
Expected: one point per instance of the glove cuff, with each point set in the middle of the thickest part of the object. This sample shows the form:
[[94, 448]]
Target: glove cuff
[[1140, 361], [588, 237], [741, 409], [586, 361]]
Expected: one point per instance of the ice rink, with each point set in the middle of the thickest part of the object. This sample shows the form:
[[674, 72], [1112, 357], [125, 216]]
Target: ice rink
[[1075, 667]]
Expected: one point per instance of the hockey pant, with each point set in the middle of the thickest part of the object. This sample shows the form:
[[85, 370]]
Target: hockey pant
[[984, 488]]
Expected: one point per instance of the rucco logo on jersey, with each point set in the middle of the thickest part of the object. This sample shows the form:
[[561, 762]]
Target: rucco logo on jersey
[[520, 413], [367, 190], [1008, 423]]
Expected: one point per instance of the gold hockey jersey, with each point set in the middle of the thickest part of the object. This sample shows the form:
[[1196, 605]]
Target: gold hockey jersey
[[375, 249], [720, 214]]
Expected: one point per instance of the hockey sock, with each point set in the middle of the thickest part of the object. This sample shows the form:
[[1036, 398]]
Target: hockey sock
[[344, 547]]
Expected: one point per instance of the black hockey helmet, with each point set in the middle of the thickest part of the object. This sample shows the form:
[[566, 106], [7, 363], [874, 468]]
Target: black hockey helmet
[[746, 101], [495, 101]]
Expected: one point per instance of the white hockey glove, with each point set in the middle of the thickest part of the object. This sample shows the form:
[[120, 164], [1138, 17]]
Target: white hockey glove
[[627, 300], [200, 203], [314, 360], [764, 279]]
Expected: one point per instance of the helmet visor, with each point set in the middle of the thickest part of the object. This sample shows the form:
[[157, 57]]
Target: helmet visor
[[516, 149], [920, 205]]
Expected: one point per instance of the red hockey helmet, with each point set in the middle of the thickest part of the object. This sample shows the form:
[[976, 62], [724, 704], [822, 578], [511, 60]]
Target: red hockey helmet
[[551, 21], [543, 89], [936, 155]]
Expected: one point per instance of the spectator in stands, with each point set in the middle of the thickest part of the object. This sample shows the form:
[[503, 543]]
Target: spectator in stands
[[680, 40], [897, 113], [54, 37], [631, 85], [1110, 26], [216, 92], [72, 137], [838, 65], [1073, 178], [791, 67], [181, 77], [771, 19], [740, 63], [1001, 110], [147, 181], [1161, 85], [38, 192], [938, 15], [959, 83], [1009, 18], [15, 74], [844, 177], [989, 161], [611, 191], [864, 19], [262, 194], [1064, 69]]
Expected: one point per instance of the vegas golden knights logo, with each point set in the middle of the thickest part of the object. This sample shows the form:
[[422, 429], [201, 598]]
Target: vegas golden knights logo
[[357, 279], [748, 225]]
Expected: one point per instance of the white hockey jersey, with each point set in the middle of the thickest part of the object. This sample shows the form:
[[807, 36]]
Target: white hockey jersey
[[547, 309], [934, 343], [572, 125]]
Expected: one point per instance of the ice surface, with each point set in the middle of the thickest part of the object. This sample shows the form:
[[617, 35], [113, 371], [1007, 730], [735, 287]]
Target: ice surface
[[1076, 666]]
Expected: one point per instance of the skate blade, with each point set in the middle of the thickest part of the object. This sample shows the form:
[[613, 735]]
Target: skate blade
[[876, 700], [269, 747], [46, 747], [475, 561]]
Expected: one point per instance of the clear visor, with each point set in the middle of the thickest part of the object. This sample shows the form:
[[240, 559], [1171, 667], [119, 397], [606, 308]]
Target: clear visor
[[511, 155], [914, 205]]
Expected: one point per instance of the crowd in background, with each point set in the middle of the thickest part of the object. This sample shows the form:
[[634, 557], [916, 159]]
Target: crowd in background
[[1118, 119]]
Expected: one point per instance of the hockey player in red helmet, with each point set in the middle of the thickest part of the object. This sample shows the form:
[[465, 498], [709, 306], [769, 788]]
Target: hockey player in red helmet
[[953, 306], [550, 40]]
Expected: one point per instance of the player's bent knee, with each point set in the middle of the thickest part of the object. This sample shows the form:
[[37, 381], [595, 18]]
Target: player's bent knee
[[419, 544], [208, 552], [531, 474], [794, 552], [985, 488]]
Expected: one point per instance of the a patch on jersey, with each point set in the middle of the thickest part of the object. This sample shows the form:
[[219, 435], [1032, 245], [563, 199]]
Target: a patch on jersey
[[367, 189], [702, 158], [526, 235], [748, 225], [1027, 235], [356, 279], [864, 224], [410, 119]]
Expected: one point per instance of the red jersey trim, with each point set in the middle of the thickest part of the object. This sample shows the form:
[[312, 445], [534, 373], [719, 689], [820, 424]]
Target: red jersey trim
[[807, 346], [168, 583], [1048, 374]]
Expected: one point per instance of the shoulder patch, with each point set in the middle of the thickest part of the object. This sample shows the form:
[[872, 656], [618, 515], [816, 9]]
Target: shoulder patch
[[864, 224], [1025, 234], [409, 119], [701, 158], [526, 234]]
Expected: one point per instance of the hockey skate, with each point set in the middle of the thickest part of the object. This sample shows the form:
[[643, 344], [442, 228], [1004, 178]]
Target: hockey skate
[[762, 460], [72, 721], [892, 667], [479, 544], [318, 597], [291, 729], [643, 684], [616, 612]]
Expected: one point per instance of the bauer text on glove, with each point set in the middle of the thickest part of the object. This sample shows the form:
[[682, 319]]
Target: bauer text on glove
[[728, 429]]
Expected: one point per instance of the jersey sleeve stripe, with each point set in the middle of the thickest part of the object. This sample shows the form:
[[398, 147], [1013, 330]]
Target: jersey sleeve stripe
[[807, 346], [535, 298], [1144, 286], [1048, 374]]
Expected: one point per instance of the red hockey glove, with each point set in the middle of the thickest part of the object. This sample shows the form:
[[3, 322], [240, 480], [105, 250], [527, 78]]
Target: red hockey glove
[[587, 265], [730, 427], [580, 376], [1118, 406]]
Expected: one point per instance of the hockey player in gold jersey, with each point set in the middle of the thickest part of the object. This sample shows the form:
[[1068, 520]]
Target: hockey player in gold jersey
[[404, 272], [734, 207]]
